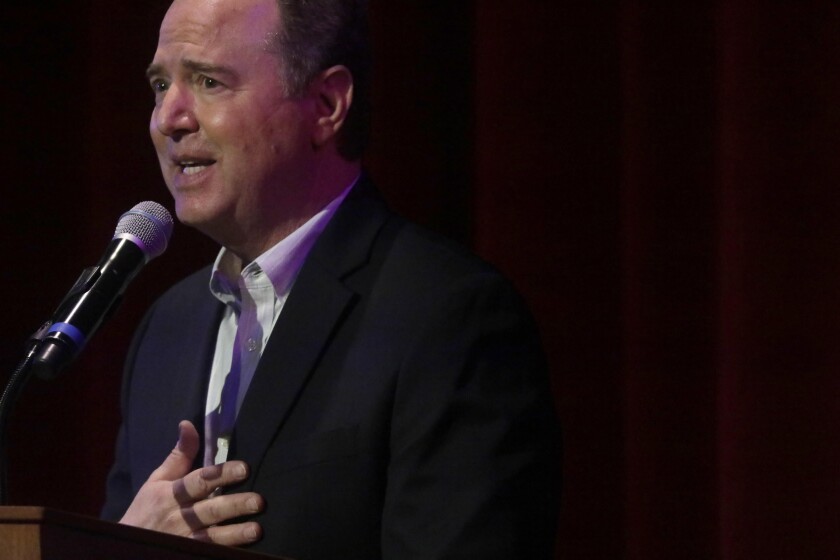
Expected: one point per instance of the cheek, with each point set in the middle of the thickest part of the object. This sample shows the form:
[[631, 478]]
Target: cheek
[[158, 139], [283, 128], [214, 122], [153, 129], [159, 143]]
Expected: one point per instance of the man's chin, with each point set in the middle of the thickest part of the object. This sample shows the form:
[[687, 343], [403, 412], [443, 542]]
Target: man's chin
[[195, 218], [210, 226]]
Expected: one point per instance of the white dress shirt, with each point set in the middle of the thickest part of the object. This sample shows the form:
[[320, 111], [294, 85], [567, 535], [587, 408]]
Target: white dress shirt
[[254, 297]]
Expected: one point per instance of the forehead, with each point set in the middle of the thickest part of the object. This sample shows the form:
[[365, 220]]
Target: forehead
[[218, 25]]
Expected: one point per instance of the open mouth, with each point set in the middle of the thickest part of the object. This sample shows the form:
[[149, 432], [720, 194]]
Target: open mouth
[[192, 167]]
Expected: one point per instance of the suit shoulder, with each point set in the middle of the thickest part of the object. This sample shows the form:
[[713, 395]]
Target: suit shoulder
[[180, 303], [187, 291], [426, 254]]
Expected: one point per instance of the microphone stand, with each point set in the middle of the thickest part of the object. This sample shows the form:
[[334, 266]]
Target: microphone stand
[[10, 396]]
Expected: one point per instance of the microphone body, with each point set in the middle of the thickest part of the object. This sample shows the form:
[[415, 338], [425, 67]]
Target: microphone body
[[141, 235]]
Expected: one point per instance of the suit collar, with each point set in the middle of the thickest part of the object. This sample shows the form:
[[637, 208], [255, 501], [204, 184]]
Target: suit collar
[[348, 239]]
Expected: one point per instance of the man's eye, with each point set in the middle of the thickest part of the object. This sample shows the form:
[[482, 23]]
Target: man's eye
[[159, 86], [208, 83]]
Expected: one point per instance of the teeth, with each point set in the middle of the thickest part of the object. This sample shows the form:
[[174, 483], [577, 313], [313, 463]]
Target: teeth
[[192, 169]]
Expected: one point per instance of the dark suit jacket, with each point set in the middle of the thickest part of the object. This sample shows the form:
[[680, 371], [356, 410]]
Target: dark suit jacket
[[400, 409]]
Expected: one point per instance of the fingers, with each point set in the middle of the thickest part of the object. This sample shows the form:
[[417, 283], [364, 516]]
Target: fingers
[[180, 459], [231, 535], [182, 502], [202, 483], [151, 509], [188, 441], [214, 511]]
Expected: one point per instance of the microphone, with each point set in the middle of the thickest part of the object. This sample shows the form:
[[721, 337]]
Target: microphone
[[142, 234]]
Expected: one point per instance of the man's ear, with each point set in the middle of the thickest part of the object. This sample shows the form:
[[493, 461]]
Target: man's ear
[[332, 91]]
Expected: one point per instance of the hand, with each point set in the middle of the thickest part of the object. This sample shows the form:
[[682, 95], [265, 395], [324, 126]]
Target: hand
[[174, 500]]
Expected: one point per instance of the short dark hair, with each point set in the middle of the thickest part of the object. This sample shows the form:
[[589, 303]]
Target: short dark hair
[[317, 34]]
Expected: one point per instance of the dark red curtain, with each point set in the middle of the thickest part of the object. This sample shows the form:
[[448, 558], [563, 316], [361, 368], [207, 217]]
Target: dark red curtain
[[660, 180]]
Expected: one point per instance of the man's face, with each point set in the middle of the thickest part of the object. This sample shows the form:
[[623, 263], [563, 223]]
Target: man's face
[[235, 151]]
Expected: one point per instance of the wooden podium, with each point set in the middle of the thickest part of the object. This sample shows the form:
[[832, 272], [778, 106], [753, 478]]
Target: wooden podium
[[36, 533]]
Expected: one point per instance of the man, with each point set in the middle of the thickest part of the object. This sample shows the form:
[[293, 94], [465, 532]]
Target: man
[[355, 387]]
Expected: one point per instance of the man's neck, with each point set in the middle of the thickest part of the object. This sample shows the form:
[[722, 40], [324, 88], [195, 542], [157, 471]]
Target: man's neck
[[325, 188]]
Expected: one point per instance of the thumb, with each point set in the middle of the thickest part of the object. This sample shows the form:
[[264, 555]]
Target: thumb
[[179, 461]]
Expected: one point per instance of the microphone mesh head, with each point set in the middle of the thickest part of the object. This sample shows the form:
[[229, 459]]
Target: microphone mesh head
[[148, 223]]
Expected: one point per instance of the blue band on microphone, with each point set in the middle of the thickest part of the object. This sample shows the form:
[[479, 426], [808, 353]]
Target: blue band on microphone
[[71, 331]]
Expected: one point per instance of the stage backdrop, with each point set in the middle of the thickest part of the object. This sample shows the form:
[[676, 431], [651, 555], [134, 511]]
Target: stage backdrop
[[660, 179]]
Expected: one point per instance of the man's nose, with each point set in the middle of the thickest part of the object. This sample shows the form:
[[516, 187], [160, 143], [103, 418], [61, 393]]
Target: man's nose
[[174, 114]]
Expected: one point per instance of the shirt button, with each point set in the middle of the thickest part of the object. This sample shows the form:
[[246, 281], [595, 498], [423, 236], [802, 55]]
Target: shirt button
[[252, 345]]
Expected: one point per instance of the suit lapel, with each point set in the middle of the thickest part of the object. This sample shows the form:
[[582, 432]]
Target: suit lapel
[[314, 309], [171, 368], [192, 363]]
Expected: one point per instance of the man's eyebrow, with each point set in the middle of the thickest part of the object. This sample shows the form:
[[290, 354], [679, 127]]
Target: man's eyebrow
[[192, 66], [153, 70]]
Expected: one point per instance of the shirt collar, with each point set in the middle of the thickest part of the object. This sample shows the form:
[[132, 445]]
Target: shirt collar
[[281, 263]]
